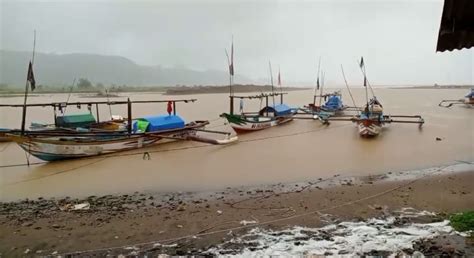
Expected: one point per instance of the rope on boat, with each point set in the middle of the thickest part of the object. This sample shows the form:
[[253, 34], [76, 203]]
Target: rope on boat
[[314, 212]]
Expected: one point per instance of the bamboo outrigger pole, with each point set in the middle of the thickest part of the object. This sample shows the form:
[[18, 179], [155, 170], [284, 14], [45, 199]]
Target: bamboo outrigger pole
[[23, 117]]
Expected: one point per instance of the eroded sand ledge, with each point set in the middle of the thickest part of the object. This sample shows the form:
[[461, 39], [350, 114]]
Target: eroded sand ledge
[[140, 221]]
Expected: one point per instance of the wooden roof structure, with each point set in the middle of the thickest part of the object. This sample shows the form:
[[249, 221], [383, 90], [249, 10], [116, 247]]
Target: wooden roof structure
[[457, 25]]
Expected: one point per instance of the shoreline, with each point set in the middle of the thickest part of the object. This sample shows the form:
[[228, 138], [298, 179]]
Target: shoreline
[[65, 225]]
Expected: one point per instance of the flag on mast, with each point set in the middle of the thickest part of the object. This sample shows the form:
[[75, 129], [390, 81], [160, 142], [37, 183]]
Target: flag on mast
[[361, 64], [31, 77], [231, 66]]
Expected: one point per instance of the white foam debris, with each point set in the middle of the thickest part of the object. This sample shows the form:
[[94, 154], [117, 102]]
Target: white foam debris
[[345, 238], [247, 222]]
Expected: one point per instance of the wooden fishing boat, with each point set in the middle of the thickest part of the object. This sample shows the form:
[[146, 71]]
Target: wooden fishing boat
[[370, 121], [55, 146], [468, 101], [61, 144], [371, 118], [267, 117]]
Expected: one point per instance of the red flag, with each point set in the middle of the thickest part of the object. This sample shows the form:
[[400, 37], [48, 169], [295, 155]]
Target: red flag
[[170, 107], [31, 77]]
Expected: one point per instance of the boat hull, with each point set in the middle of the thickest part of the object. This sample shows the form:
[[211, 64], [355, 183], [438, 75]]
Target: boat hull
[[62, 147], [241, 124], [369, 128]]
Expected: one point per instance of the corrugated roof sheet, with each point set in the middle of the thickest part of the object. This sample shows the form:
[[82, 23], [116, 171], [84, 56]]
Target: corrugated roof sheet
[[457, 25]]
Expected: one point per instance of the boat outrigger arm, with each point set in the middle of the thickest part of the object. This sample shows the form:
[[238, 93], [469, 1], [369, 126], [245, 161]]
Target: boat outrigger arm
[[385, 119]]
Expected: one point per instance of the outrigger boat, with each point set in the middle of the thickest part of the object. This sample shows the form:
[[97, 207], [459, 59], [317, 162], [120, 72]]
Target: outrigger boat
[[53, 145], [330, 104], [267, 117], [60, 142], [468, 101], [371, 119]]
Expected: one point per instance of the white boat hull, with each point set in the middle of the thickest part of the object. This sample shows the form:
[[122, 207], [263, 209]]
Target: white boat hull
[[369, 130]]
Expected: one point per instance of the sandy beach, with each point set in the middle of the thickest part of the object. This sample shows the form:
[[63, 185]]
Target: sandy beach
[[192, 222]]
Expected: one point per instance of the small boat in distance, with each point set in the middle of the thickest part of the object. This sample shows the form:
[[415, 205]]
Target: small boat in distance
[[468, 101]]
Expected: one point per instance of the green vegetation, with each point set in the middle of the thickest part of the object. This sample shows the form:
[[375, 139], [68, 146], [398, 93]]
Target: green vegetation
[[463, 221]]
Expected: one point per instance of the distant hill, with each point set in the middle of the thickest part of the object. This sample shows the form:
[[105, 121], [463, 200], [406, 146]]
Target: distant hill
[[61, 69]]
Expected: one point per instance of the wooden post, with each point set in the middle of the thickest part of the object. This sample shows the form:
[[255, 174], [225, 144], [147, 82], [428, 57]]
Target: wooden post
[[97, 111], [129, 107], [266, 104], [174, 108], [55, 122]]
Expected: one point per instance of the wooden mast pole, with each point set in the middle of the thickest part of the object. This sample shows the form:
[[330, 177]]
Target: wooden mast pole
[[231, 98], [129, 109], [317, 82], [271, 80], [23, 117]]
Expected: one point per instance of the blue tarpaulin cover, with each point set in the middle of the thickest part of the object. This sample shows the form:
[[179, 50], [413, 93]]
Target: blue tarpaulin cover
[[282, 109], [333, 103], [161, 122], [471, 94]]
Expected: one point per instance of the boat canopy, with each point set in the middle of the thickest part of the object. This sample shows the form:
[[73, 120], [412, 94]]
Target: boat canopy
[[158, 123], [333, 103], [75, 120], [471, 94], [278, 110]]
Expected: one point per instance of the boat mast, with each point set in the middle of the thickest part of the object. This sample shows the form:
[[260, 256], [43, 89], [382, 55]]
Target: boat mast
[[321, 88], [23, 117], [317, 83], [271, 81], [230, 63]]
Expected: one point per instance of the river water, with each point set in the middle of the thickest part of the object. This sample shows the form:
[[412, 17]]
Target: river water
[[297, 151]]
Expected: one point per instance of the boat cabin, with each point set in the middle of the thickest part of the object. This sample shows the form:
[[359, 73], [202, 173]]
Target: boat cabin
[[276, 110]]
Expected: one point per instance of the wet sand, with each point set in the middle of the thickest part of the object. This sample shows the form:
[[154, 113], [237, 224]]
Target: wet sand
[[155, 223], [298, 151]]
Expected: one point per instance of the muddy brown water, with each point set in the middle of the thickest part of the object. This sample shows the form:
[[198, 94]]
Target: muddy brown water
[[298, 151]]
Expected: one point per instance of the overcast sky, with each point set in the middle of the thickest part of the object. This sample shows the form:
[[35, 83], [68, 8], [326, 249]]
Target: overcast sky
[[396, 38]]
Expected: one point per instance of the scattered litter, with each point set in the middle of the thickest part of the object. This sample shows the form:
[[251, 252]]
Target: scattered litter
[[81, 206], [438, 139], [219, 212], [27, 251], [179, 226]]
